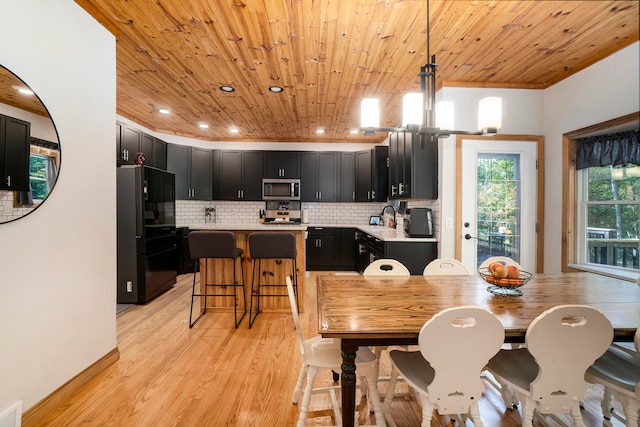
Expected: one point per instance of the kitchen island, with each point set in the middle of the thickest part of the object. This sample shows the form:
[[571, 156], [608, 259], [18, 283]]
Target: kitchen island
[[274, 271]]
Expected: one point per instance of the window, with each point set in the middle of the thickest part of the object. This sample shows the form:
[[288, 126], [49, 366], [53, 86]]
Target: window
[[609, 216], [38, 177], [43, 171]]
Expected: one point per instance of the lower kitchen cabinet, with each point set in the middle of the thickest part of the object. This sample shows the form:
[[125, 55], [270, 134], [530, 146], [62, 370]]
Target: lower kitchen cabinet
[[330, 248], [414, 255]]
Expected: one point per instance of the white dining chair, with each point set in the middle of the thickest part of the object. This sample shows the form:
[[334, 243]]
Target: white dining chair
[[618, 370], [319, 354], [548, 375], [386, 267], [445, 267], [455, 345], [503, 259]]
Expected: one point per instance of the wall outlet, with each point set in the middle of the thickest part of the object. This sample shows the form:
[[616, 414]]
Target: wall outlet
[[129, 286], [448, 223]]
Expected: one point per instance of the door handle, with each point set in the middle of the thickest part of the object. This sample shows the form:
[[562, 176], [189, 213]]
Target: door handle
[[469, 236]]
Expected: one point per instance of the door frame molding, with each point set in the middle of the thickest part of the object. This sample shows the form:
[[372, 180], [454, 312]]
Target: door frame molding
[[539, 141]]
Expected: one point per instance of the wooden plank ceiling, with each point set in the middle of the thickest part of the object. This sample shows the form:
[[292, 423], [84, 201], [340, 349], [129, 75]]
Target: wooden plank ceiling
[[329, 54]]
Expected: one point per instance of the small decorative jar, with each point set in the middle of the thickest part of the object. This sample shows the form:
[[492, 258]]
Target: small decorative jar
[[140, 159]]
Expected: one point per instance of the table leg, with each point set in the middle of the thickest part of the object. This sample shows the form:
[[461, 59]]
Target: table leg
[[348, 382]]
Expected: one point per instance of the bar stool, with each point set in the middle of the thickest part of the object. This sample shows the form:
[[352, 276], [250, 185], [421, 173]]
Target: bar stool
[[270, 245], [221, 245]]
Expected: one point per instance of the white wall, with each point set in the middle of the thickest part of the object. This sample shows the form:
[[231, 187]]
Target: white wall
[[58, 264], [604, 91]]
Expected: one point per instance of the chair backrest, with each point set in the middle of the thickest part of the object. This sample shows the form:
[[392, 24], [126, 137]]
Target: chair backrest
[[386, 267], [272, 245], [636, 340], [445, 267], [213, 244], [296, 317], [503, 259], [458, 342], [565, 340]]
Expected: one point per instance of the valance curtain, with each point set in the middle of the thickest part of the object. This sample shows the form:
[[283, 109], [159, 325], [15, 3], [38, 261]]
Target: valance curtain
[[617, 149]]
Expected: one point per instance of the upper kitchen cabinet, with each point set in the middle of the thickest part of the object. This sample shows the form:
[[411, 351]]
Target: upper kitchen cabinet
[[14, 153], [155, 151], [413, 166], [192, 167], [282, 164], [238, 175], [347, 180], [318, 179], [130, 141], [372, 174]]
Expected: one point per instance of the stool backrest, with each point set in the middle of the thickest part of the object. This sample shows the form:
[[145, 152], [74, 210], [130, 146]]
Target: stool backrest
[[212, 244], [272, 245]]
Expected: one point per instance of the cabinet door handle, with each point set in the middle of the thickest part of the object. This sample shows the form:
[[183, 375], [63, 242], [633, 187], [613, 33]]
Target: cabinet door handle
[[400, 188], [373, 194], [368, 195], [9, 181], [242, 194], [238, 194], [393, 190]]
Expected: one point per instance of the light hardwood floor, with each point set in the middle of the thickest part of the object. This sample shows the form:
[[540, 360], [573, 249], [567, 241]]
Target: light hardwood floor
[[215, 375]]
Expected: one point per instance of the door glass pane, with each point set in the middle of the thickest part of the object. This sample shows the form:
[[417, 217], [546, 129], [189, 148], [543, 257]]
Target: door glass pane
[[498, 206]]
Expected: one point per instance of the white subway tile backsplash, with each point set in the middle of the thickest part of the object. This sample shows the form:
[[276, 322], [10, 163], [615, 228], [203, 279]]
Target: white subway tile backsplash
[[191, 212]]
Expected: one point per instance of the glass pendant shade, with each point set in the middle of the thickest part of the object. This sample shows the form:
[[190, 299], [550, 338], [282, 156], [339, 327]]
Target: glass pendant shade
[[490, 115], [370, 113], [412, 109], [444, 115]]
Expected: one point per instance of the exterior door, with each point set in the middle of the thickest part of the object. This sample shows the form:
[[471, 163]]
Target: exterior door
[[499, 201]]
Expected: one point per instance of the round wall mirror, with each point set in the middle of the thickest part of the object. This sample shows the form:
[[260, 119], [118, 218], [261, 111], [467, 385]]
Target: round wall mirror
[[29, 149]]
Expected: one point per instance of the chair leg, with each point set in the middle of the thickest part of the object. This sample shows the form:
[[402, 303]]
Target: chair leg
[[427, 411], [388, 399], [528, 407], [371, 375], [244, 295], [577, 415], [298, 389], [193, 296], [474, 413], [306, 399], [252, 315]]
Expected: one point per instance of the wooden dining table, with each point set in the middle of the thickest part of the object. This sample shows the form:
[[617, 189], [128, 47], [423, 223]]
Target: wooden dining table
[[370, 311]]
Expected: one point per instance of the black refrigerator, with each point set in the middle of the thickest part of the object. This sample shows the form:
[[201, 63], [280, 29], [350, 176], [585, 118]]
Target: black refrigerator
[[146, 233]]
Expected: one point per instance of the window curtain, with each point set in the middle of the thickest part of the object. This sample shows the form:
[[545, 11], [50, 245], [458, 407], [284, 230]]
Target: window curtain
[[617, 149]]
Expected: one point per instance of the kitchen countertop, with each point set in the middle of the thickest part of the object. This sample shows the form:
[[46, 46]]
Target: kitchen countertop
[[383, 233]]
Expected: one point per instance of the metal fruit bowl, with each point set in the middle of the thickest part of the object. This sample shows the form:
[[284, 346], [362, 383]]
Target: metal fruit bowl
[[504, 286]]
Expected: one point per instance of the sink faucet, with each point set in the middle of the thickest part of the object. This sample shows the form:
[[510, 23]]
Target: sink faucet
[[394, 213]]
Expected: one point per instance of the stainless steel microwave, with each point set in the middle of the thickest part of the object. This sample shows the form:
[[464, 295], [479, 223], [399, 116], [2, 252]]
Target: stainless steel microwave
[[280, 189]]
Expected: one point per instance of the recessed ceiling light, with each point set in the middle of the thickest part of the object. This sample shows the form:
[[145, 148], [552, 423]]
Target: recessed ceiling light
[[203, 126], [227, 88], [163, 111], [320, 131], [233, 129], [25, 91], [275, 89]]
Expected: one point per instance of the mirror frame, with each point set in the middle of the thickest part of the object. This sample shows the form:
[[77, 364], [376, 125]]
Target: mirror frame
[[9, 85]]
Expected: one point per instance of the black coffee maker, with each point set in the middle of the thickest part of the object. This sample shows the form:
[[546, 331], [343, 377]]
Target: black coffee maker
[[418, 222]]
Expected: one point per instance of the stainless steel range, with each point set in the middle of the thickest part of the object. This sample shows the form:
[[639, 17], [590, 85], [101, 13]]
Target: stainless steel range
[[282, 211]]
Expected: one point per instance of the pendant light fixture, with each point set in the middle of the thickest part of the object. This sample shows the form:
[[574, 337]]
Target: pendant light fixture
[[419, 113]]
